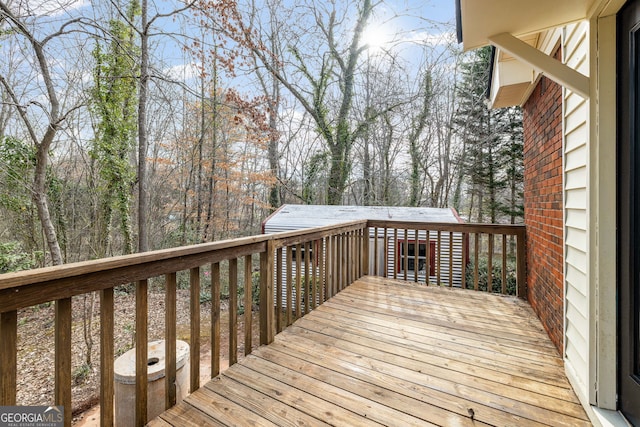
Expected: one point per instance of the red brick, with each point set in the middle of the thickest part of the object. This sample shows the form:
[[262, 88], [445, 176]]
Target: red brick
[[542, 121]]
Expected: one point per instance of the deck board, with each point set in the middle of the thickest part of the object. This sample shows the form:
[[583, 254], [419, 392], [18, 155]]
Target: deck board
[[386, 352]]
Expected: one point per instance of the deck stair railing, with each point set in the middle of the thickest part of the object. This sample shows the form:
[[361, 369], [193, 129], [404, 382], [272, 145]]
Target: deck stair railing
[[297, 271]]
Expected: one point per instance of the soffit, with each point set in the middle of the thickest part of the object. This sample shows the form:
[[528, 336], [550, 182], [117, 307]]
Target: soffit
[[481, 19]]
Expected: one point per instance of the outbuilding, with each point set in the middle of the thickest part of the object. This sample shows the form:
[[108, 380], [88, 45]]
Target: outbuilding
[[296, 217]]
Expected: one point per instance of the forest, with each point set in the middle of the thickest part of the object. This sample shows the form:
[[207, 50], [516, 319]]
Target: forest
[[133, 125]]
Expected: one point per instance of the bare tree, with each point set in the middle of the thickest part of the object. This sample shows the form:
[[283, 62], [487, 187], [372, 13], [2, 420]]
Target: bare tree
[[324, 88], [53, 114]]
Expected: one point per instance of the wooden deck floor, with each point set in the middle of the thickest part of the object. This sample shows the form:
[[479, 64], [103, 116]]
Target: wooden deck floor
[[386, 352]]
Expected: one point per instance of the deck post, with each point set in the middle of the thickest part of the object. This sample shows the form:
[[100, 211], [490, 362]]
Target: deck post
[[8, 357], [266, 294], [521, 261]]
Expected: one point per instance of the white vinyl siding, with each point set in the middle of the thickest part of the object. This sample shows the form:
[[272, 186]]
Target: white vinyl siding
[[576, 157]]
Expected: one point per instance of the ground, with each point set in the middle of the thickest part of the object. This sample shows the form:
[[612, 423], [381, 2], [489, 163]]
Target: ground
[[36, 345]]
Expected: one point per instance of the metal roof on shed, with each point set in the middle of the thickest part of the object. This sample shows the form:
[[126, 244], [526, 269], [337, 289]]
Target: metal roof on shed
[[294, 217]]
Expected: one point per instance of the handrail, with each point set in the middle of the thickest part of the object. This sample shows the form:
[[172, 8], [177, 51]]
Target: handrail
[[451, 242], [61, 283], [31, 287], [299, 270]]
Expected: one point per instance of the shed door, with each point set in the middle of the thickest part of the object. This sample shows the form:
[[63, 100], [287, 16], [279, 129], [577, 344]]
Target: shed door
[[629, 210]]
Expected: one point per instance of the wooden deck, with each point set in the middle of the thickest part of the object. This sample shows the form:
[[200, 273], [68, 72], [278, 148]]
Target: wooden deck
[[385, 352]]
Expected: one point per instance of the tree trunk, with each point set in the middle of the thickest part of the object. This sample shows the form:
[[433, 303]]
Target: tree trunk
[[40, 198], [143, 142], [43, 145]]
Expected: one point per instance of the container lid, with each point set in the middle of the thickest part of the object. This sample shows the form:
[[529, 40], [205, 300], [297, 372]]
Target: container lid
[[125, 365]]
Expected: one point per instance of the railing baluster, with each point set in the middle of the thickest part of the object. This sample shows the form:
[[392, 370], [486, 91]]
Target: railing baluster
[[170, 396], [361, 257], [8, 357], [215, 319], [307, 278], [329, 272], [194, 336], [451, 259], [233, 311], [346, 255], [366, 244], [504, 264], [323, 270], [351, 255], [266, 295], [416, 255], [338, 264], [475, 261], [141, 351], [356, 256], [344, 261], [438, 264], [298, 281], [314, 273], [376, 270], [386, 252], [490, 264], [427, 258], [278, 273], [106, 357], [343, 274], [521, 263], [396, 253], [339, 250], [405, 254], [289, 284], [63, 357], [463, 273], [248, 302]]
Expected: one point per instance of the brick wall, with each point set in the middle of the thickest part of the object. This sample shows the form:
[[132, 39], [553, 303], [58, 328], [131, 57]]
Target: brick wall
[[542, 120]]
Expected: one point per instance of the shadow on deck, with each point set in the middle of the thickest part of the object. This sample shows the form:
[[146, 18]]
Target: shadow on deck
[[388, 352]]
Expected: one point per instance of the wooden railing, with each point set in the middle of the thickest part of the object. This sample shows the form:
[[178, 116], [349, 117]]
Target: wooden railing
[[297, 271], [451, 254], [62, 283]]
